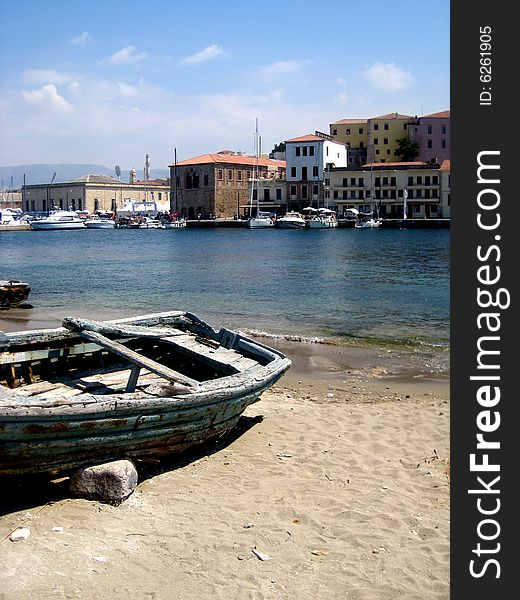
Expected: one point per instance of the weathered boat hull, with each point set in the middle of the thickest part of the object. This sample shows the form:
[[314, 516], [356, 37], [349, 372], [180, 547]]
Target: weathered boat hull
[[63, 430], [13, 293]]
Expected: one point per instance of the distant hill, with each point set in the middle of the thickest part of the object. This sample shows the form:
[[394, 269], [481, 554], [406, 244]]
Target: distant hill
[[35, 174]]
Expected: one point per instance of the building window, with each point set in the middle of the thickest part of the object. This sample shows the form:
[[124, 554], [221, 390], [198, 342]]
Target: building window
[[385, 180], [314, 190], [429, 129], [427, 180], [360, 131], [429, 143], [32, 205], [443, 129], [304, 173], [352, 181], [388, 151], [311, 150], [220, 175], [376, 141], [160, 196], [410, 180], [248, 173], [195, 182], [239, 175], [304, 191], [377, 151], [361, 182], [393, 181], [347, 131], [386, 127], [361, 144], [293, 190], [385, 141], [435, 180], [315, 171], [278, 193], [376, 127], [327, 150], [293, 171], [297, 150], [304, 150], [188, 182], [80, 204], [206, 180], [419, 179], [443, 144], [334, 132], [378, 182], [230, 175]]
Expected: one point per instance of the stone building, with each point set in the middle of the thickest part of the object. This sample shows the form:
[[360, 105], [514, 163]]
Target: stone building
[[218, 184], [93, 193]]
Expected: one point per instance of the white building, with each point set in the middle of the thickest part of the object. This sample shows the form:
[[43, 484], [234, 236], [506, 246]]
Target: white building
[[308, 158]]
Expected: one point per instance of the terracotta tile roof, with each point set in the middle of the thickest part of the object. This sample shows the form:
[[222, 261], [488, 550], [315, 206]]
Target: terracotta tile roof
[[311, 137], [230, 159], [445, 114], [349, 121], [446, 165], [393, 115]]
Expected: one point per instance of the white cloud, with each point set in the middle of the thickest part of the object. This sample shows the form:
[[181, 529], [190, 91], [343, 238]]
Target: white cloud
[[81, 39], [388, 77], [47, 98], [208, 53], [126, 55], [127, 90], [342, 98], [49, 76], [280, 68]]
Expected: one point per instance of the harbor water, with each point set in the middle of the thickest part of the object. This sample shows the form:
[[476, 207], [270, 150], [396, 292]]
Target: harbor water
[[386, 286]]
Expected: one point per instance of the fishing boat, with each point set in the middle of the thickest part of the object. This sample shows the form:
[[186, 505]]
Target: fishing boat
[[174, 224], [95, 391], [291, 220], [13, 293], [59, 219]]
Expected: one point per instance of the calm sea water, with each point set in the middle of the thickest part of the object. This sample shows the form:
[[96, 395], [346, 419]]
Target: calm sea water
[[381, 286]]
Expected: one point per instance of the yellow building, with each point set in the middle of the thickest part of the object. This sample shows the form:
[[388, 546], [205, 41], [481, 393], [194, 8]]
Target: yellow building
[[383, 133], [354, 134]]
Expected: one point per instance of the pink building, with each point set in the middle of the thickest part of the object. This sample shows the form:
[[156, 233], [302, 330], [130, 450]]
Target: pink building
[[432, 133]]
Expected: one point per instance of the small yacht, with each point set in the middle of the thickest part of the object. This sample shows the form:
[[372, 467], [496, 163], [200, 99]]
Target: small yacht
[[100, 223], [59, 219], [291, 220], [323, 218]]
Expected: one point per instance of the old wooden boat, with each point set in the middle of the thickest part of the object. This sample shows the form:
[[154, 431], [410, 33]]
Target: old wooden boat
[[94, 391], [13, 293]]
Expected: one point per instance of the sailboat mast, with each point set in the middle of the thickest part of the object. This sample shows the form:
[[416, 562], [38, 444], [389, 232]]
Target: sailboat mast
[[258, 176]]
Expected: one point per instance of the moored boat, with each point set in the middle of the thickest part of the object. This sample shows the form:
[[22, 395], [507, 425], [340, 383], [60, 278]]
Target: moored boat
[[369, 223], [324, 218], [91, 392], [13, 293], [291, 220], [59, 219]]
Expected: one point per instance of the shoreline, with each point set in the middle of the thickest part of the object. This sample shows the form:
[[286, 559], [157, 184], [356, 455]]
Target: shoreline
[[339, 474]]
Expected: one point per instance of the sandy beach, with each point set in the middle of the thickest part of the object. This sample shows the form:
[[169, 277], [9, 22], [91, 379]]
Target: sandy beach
[[338, 477]]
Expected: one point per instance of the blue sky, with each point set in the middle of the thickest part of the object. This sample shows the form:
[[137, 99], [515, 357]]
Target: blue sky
[[108, 82]]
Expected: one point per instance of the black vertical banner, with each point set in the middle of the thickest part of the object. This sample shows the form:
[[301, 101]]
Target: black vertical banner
[[484, 319]]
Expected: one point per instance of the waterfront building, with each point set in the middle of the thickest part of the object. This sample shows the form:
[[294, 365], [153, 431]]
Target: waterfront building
[[218, 185], [383, 133], [354, 134], [308, 158], [380, 187], [93, 193], [432, 133]]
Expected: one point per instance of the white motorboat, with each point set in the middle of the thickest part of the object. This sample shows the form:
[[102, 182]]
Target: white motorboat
[[59, 219], [148, 223], [291, 220], [323, 218], [370, 223], [100, 223]]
